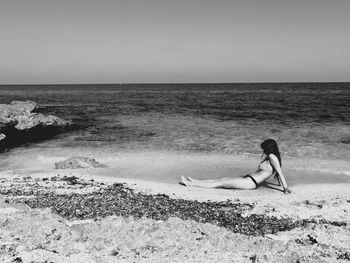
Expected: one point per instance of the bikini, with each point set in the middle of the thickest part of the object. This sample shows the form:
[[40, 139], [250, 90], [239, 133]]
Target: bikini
[[251, 177]]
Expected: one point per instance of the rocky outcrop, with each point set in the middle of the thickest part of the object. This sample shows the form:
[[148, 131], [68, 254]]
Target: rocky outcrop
[[78, 163], [20, 123]]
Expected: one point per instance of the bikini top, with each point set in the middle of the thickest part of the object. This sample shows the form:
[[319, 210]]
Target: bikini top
[[266, 166]]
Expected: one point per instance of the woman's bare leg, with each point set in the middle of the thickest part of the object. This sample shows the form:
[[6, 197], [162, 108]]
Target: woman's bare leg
[[210, 180], [234, 183]]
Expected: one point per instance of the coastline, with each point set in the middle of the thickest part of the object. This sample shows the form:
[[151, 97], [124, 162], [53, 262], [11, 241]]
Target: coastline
[[167, 166], [175, 239]]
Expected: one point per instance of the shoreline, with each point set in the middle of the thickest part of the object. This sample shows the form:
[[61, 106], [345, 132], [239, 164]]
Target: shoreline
[[167, 166]]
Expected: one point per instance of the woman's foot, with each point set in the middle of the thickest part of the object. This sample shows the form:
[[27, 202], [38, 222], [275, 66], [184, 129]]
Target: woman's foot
[[185, 181]]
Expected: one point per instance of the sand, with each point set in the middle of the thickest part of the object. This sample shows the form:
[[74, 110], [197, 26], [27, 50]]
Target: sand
[[39, 235]]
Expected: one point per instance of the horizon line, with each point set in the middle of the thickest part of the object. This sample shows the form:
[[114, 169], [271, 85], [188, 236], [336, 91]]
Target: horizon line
[[172, 83]]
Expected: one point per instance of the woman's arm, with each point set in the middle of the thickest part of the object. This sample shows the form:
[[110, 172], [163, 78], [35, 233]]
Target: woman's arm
[[276, 164]]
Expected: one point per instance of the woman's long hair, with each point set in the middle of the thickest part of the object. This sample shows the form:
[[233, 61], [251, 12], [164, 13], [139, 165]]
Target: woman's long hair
[[270, 146]]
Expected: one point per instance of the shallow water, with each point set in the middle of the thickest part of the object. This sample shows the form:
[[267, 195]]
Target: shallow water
[[309, 121]]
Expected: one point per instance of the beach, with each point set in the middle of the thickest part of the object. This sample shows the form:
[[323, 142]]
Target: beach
[[87, 215], [132, 207]]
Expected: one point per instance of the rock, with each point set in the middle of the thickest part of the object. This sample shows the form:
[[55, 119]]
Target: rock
[[28, 106], [25, 123], [20, 123], [346, 140], [78, 162]]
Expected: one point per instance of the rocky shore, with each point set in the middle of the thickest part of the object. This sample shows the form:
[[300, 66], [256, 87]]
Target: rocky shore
[[69, 219], [20, 122]]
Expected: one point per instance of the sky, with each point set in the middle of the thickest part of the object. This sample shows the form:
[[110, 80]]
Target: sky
[[152, 41]]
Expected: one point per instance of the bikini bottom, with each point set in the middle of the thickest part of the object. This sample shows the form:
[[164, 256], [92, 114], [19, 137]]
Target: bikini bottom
[[251, 177]]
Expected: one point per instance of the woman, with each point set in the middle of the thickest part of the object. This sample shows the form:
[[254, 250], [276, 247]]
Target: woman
[[270, 165]]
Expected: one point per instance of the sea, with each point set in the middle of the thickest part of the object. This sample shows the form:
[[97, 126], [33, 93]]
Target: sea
[[162, 127]]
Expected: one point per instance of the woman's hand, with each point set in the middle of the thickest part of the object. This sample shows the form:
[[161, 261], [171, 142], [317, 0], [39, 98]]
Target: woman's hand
[[287, 191]]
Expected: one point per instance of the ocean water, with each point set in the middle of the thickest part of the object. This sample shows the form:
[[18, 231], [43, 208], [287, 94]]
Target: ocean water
[[309, 120]]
